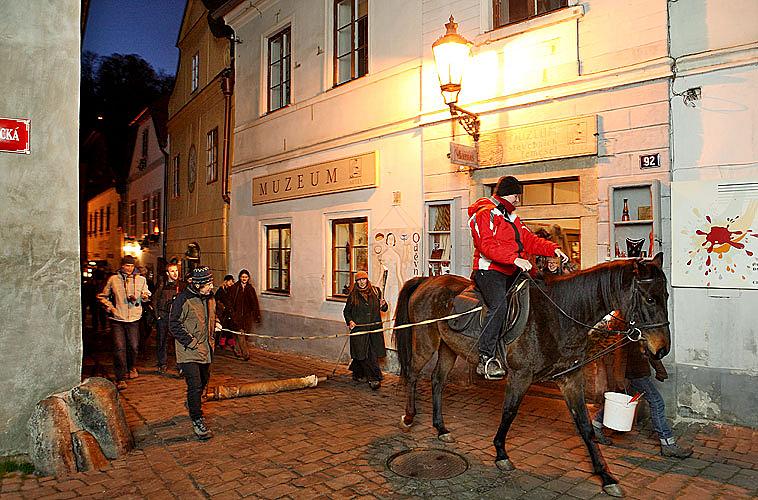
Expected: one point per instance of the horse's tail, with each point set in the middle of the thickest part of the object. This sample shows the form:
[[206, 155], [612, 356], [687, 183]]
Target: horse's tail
[[404, 336]]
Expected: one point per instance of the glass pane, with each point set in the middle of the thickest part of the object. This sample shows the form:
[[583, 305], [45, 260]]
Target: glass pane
[[343, 70], [286, 69], [362, 62], [286, 259], [285, 94], [273, 238], [273, 259], [273, 279], [276, 74], [275, 100], [344, 13], [361, 34], [341, 235], [285, 43], [286, 281], [440, 247], [361, 259], [362, 8], [342, 285], [567, 234], [343, 42], [275, 49], [517, 10], [566, 192], [286, 238], [342, 263], [439, 217], [538, 194], [550, 5], [360, 236]]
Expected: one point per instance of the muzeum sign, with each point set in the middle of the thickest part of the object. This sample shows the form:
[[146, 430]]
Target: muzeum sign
[[347, 174]]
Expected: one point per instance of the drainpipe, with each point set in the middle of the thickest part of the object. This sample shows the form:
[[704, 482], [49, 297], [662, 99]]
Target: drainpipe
[[227, 88], [164, 212]]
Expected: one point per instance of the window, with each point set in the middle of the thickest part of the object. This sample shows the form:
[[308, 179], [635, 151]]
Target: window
[[108, 219], [91, 224], [175, 191], [195, 72], [133, 218], [278, 248], [155, 214], [350, 40], [94, 226], [349, 252], [145, 135], [102, 217], [506, 12], [211, 150], [279, 70], [551, 192], [145, 215], [440, 242]]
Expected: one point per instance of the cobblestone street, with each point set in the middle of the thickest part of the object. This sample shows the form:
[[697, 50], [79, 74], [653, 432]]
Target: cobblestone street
[[334, 441]]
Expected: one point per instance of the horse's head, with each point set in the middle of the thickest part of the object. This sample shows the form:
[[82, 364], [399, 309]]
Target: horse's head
[[649, 309]]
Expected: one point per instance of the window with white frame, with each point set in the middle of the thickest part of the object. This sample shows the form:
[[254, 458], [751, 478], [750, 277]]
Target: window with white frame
[[506, 12], [349, 253], [195, 72], [211, 151], [278, 251], [133, 219], [440, 238], [279, 70], [108, 219], [350, 40], [145, 215], [175, 187]]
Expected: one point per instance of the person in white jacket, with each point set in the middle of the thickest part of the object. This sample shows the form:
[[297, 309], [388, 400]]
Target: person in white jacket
[[122, 297]]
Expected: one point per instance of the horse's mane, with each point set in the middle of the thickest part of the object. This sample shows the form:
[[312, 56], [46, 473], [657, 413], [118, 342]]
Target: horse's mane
[[580, 293]]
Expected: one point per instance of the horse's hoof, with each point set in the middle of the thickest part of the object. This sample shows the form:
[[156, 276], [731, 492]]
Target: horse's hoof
[[505, 465], [613, 490], [446, 437], [403, 424]]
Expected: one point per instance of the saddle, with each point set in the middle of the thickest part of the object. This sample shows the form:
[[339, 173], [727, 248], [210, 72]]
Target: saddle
[[470, 325]]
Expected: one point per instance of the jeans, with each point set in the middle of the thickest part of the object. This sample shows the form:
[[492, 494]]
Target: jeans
[[162, 339], [125, 344], [196, 375], [646, 386], [493, 285]]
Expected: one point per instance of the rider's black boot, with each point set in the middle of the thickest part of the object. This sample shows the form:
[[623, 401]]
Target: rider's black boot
[[490, 368]]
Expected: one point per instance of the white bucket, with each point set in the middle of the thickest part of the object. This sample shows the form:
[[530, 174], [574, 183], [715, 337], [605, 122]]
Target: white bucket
[[618, 413]]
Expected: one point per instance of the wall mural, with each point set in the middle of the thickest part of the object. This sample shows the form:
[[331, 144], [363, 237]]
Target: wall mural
[[715, 234], [396, 251]]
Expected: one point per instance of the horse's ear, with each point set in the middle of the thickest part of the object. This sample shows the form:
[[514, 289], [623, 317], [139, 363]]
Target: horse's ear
[[658, 260]]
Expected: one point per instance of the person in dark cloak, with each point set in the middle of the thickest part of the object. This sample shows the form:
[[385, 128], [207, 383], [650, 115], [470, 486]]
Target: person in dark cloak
[[362, 313], [243, 300]]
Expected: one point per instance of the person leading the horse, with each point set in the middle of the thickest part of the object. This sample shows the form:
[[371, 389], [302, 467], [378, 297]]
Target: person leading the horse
[[502, 245]]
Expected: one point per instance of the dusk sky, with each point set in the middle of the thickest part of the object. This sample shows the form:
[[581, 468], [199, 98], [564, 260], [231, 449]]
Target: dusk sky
[[148, 28]]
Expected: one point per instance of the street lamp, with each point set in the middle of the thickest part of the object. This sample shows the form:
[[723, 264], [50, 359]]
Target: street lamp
[[451, 53]]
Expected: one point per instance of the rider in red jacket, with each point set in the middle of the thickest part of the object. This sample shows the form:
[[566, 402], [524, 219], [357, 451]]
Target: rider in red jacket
[[502, 245]]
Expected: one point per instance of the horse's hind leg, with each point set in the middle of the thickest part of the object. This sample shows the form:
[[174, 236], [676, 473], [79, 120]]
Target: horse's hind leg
[[445, 361], [427, 341], [572, 387], [515, 387]]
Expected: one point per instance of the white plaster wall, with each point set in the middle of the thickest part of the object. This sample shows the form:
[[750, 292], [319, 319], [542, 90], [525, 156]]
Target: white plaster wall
[[399, 161], [702, 25]]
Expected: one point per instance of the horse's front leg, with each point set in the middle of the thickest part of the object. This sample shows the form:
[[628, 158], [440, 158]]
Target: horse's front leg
[[572, 387], [515, 388], [445, 362]]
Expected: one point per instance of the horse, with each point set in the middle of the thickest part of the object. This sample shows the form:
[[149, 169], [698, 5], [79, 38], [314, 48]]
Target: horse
[[554, 344]]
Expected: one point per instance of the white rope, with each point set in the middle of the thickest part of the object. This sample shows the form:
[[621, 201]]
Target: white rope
[[351, 334]]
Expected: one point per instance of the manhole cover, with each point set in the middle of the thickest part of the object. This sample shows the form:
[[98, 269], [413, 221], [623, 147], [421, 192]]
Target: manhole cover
[[427, 464]]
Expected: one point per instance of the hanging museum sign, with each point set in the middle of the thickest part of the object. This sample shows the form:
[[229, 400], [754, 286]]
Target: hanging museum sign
[[347, 174], [14, 135], [539, 142]]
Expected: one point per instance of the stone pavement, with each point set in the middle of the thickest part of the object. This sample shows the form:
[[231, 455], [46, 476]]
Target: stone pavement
[[334, 441]]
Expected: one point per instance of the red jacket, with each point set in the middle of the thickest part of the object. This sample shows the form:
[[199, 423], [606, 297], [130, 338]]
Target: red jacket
[[500, 237]]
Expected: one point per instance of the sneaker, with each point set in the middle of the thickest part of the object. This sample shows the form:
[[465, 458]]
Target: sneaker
[[201, 431], [374, 384], [600, 437], [490, 368], [675, 451], [133, 373], [121, 385]]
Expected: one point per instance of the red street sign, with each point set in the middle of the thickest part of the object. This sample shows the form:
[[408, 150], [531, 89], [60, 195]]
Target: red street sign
[[14, 135]]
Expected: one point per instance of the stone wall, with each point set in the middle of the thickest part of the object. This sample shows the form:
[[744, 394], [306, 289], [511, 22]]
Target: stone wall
[[40, 332]]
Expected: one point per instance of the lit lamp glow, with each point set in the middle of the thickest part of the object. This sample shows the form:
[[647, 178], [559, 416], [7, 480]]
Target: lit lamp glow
[[132, 248], [451, 53]]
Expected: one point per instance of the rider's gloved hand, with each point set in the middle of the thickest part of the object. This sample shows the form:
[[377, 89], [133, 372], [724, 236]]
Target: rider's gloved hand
[[522, 264]]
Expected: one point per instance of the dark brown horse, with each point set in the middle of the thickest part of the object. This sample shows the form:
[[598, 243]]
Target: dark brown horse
[[550, 344]]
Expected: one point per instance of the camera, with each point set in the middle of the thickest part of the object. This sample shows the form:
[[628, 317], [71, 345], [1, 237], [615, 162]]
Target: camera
[[132, 299]]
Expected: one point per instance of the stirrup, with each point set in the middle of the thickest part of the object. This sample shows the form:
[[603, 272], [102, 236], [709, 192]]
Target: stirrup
[[486, 371]]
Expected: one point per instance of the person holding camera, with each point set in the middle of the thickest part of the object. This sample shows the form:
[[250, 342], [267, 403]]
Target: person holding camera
[[123, 296]]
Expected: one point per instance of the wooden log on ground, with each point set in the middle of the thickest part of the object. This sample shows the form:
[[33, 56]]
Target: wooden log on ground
[[268, 387]]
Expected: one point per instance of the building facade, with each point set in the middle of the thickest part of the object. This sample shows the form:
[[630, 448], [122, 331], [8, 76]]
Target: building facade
[[197, 212], [714, 113], [105, 238], [574, 98], [143, 221]]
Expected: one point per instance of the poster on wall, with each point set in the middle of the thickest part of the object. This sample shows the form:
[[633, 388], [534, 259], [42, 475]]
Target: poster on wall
[[715, 234], [398, 252]]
